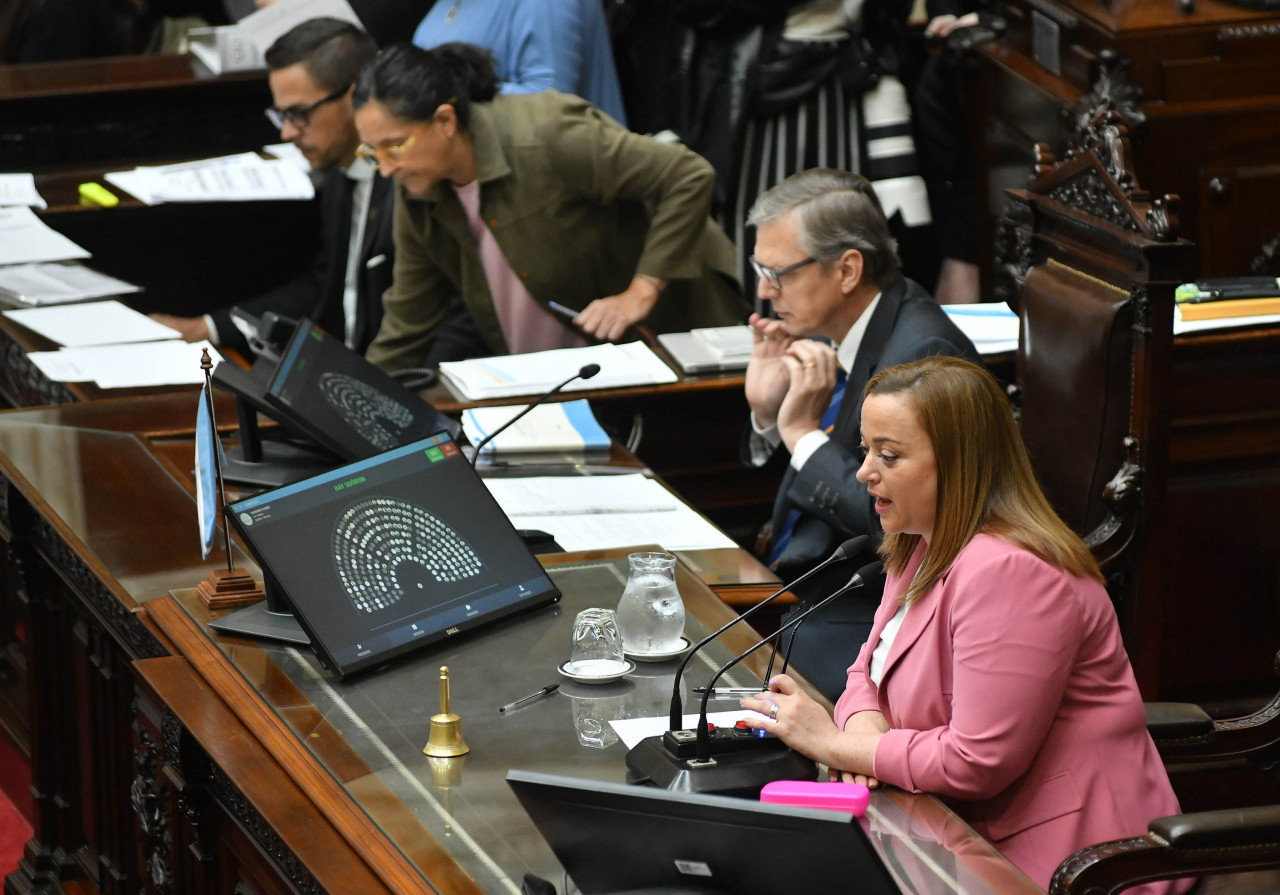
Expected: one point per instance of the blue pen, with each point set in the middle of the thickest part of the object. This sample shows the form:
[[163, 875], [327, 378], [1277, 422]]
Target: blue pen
[[561, 309]]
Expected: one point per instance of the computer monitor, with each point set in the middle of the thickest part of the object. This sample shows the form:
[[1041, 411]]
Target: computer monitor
[[382, 556], [620, 839], [342, 401]]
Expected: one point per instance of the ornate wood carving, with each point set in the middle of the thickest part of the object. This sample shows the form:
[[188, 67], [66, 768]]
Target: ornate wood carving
[[1097, 180], [1113, 95], [221, 787], [146, 794], [68, 565]]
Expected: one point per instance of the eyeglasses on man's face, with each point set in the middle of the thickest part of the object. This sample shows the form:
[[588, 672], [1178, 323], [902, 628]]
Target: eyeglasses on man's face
[[300, 116], [393, 153], [774, 277]]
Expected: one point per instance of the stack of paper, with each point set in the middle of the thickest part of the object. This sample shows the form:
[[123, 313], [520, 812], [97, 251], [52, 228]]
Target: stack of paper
[[112, 345], [25, 238], [569, 426], [20, 189], [233, 178], [55, 283], [598, 512], [1182, 325], [514, 375], [992, 327]]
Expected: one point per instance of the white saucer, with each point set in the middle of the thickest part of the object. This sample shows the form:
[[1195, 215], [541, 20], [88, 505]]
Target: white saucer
[[661, 655], [615, 670]]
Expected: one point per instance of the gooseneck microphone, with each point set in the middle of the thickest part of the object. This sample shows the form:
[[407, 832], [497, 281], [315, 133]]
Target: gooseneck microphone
[[851, 547], [585, 373], [867, 572]]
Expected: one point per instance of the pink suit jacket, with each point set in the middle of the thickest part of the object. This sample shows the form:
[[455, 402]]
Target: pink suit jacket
[[1009, 694]]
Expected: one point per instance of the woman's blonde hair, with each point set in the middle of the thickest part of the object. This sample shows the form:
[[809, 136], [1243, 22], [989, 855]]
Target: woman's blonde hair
[[985, 481]]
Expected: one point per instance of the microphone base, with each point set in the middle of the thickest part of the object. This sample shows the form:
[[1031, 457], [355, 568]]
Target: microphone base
[[730, 774]]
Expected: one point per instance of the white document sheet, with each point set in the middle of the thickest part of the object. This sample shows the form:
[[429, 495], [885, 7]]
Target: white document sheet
[[632, 730], [991, 326], [270, 22], [56, 283], [598, 512], [93, 323], [514, 375], [234, 178], [20, 189], [25, 238], [127, 366]]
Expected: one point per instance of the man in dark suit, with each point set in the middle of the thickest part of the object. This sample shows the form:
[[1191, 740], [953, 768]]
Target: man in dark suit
[[313, 68], [829, 266]]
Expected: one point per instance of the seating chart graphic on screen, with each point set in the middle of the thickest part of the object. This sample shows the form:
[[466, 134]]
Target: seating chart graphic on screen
[[343, 402], [384, 547], [391, 553], [376, 417]]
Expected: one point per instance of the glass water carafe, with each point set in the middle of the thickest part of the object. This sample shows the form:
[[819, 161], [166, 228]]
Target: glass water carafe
[[651, 613]]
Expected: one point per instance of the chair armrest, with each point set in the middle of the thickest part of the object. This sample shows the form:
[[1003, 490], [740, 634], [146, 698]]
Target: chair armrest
[[1230, 828], [1177, 721]]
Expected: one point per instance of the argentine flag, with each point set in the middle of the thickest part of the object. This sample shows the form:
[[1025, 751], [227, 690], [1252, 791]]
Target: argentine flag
[[206, 473]]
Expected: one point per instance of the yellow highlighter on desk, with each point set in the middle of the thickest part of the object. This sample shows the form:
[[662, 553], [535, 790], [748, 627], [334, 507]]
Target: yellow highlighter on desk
[[97, 194]]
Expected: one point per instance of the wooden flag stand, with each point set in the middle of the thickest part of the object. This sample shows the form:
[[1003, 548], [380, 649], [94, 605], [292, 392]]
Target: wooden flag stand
[[232, 587]]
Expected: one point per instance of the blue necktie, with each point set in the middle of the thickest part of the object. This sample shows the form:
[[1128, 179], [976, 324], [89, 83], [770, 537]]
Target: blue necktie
[[782, 538]]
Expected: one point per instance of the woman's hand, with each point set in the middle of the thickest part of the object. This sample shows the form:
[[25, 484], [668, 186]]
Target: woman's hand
[[608, 318], [870, 723], [791, 715], [794, 717]]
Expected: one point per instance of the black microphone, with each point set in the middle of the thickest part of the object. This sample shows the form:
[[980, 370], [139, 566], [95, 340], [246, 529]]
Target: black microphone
[[585, 373], [870, 570], [851, 547]]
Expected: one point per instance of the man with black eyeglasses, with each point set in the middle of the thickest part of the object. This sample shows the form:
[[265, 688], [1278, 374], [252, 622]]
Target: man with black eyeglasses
[[844, 311], [313, 68]]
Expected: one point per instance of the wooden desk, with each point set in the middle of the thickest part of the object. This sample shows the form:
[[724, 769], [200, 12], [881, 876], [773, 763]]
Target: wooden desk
[[127, 110], [162, 757]]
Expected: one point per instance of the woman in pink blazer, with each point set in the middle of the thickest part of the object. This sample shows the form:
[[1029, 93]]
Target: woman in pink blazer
[[994, 675]]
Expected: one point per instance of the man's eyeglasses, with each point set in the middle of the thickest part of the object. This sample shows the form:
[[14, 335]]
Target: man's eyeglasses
[[394, 152], [300, 116], [774, 277]]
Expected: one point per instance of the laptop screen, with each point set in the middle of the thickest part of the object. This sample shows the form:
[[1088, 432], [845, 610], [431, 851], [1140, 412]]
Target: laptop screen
[[382, 556], [344, 402], [619, 839]]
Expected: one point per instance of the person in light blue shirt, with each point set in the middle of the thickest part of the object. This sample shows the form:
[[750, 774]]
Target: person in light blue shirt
[[537, 44]]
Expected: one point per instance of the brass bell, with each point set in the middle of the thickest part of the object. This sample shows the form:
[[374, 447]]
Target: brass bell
[[445, 740]]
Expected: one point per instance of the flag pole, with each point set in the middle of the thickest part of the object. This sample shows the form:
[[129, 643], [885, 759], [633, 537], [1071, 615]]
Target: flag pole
[[235, 586]]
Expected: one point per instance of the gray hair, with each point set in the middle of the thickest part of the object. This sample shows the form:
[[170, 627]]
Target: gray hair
[[838, 211]]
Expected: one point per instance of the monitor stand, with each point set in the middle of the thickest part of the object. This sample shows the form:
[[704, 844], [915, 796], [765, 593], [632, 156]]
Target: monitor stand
[[269, 619], [258, 460]]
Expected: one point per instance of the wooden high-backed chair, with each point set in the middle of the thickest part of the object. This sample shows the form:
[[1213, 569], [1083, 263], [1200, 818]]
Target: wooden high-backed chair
[[1090, 262]]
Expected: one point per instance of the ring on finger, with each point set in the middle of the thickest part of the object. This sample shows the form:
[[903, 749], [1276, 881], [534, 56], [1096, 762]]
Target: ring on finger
[[773, 711]]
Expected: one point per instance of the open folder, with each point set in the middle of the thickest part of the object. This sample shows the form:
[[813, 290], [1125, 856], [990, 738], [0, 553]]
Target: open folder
[[515, 375]]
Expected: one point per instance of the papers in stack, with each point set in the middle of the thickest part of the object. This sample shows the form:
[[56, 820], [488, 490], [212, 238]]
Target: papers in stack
[[232, 178], [97, 323], [1181, 326], [20, 189], [127, 366], [589, 513], [569, 426], [992, 327], [25, 238], [710, 348], [516, 375], [56, 283], [112, 345]]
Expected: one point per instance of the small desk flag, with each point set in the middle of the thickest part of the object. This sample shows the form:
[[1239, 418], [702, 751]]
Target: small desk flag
[[206, 474]]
